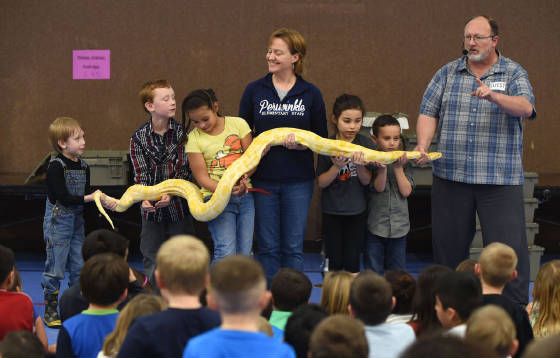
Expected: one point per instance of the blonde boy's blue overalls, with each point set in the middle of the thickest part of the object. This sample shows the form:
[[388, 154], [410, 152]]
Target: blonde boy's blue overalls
[[63, 230]]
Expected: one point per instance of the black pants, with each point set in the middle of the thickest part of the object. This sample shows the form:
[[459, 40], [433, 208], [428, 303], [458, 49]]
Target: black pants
[[344, 237], [502, 219]]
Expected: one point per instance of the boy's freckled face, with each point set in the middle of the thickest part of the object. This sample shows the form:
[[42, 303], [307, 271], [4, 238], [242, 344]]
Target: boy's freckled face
[[163, 104]]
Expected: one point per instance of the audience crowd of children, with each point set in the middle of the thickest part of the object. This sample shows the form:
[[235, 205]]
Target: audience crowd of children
[[442, 313]]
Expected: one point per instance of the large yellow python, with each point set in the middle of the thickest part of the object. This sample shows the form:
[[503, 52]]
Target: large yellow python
[[205, 211]]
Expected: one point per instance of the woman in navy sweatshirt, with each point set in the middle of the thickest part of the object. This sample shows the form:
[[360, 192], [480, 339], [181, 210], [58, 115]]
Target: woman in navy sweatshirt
[[283, 99]]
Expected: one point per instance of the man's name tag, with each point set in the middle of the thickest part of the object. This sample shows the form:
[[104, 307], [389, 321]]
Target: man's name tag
[[497, 86]]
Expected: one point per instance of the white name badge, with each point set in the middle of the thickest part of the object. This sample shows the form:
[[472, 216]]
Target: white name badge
[[497, 86]]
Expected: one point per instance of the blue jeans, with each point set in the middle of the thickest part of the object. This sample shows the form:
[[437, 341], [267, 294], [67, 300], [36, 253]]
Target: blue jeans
[[63, 232], [280, 222], [232, 230], [385, 253]]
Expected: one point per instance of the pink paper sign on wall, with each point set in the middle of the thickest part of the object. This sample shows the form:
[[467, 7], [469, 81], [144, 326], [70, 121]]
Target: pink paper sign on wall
[[91, 64]]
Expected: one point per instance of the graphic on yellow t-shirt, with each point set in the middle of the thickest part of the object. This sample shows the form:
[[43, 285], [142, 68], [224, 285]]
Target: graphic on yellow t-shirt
[[225, 157]]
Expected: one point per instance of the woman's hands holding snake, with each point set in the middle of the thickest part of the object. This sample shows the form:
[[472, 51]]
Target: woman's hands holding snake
[[290, 142]]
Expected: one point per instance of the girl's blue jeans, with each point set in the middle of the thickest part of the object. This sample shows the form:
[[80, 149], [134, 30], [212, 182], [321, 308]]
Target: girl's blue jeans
[[232, 231]]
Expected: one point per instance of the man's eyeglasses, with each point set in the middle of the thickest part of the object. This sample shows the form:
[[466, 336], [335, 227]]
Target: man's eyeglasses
[[476, 38]]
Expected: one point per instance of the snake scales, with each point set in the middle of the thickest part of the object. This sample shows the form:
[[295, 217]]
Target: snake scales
[[205, 211]]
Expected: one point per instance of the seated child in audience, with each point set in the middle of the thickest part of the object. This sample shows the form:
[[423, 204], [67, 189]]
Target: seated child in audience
[[39, 327], [238, 291], [458, 294], [548, 346], [181, 275], [16, 308], [403, 285], [388, 222], [68, 189], [424, 318], [495, 268], [21, 344], [544, 311], [290, 289], [102, 241], [438, 346], [300, 325], [491, 327], [140, 305], [371, 301], [466, 265], [338, 336], [335, 292], [104, 279]]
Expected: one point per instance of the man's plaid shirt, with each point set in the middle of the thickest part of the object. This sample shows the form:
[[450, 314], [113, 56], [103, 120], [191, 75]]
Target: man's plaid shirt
[[480, 143]]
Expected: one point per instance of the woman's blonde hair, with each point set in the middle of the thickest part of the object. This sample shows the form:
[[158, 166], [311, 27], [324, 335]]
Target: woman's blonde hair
[[141, 305], [546, 295], [335, 296], [296, 44]]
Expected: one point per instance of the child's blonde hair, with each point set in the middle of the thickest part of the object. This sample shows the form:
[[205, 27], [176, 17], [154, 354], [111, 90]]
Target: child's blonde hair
[[497, 262], [61, 129], [491, 327], [182, 264], [335, 295], [141, 305], [546, 296]]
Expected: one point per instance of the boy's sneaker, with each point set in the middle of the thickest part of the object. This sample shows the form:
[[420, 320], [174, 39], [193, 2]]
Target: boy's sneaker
[[51, 317]]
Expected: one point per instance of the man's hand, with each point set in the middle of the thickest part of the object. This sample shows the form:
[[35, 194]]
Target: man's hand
[[483, 91], [423, 156]]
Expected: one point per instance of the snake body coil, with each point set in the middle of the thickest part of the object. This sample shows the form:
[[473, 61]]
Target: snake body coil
[[205, 211]]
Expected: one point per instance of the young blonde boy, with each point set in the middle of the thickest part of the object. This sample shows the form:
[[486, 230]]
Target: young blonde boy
[[491, 327], [157, 153], [63, 224], [238, 291], [181, 275], [496, 267]]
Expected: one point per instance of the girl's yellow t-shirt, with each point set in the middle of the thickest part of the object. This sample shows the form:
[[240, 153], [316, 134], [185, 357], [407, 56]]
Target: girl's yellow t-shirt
[[220, 150]]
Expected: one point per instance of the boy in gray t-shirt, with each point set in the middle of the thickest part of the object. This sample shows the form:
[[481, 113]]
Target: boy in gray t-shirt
[[388, 222]]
